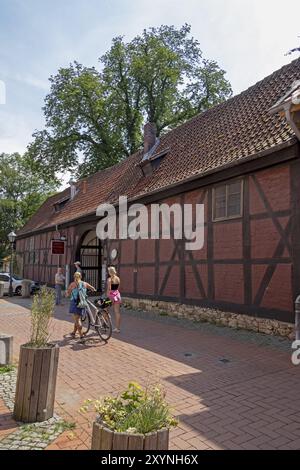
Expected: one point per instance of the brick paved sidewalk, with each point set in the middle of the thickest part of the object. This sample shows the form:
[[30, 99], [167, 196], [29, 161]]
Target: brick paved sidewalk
[[229, 390], [7, 423]]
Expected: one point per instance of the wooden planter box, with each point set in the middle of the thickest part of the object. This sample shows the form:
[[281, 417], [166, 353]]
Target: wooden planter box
[[105, 439], [35, 392]]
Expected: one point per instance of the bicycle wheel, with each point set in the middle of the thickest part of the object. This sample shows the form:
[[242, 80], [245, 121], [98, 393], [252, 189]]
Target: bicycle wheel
[[85, 322], [103, 325]]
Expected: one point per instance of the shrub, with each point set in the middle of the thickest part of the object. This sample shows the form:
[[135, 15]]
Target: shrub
[[136, 410], [6, 369], [41, 312]]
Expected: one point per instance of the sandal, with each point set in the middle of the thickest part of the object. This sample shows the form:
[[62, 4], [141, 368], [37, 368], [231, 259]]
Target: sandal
[[73, 335]]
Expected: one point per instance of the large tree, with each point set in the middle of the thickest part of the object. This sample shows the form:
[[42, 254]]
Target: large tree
[[22, 191], [96, 117]]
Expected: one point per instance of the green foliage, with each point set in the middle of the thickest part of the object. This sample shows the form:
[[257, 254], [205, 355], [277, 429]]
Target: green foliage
[[78, 119], [6, 369], [41, 312], [136, 410], [22, 191], [63, 425], [160, 76]]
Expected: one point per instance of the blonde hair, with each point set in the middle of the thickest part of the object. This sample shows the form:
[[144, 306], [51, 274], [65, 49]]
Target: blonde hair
[[77, 276], [112, 271]]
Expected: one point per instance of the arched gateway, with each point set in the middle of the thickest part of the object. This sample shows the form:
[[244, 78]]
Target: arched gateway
[[90, 255]]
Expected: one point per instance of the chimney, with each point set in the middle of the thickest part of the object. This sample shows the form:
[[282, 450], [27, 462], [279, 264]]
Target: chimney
[[84, 186], [149, 136], [72, 188]]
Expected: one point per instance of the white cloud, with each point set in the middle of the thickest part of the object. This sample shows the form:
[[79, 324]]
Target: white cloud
[[33, 81], [15, 131], [248, 38]]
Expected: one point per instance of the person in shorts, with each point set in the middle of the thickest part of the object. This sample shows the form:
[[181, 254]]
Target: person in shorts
[[59, 285], [113, 293], [73, 293]]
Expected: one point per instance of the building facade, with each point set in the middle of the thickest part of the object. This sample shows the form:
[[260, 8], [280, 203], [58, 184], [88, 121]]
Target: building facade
[[242, 161]]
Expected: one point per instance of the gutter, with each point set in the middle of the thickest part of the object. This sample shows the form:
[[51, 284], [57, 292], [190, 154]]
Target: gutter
[[252, 157], [155, 192]]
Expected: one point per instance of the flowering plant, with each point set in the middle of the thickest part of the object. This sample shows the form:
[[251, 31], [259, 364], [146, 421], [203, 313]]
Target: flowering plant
[[136, 410]]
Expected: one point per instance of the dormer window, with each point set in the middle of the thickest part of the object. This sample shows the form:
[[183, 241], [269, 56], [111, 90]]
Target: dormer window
[[289, 107], [150, 164], [58, 206], [151, 157]]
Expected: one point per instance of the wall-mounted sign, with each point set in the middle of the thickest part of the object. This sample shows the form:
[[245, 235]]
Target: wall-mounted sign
[[57, 247]]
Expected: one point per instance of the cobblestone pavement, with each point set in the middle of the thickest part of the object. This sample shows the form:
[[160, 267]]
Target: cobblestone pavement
[[20, 436], [230, 389], [8, 387]]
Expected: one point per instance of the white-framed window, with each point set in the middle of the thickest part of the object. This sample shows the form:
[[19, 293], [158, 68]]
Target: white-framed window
[[228, 200]]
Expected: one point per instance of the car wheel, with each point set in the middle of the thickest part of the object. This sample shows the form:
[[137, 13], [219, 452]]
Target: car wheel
[[19, 290]]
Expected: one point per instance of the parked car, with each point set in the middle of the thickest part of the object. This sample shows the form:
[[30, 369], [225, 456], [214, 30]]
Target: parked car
[[17, 284], [35, 287]]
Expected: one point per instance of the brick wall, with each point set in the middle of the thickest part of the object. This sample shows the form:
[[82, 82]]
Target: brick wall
[[245, 263], [220, 274]]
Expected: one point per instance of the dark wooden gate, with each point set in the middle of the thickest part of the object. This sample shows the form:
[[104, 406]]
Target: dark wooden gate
[[90, 258]]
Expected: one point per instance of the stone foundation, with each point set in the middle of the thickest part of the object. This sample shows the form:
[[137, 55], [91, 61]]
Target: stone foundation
[[217, 317]]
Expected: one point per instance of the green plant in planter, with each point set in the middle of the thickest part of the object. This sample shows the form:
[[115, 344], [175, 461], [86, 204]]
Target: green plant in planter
[[41, 312], [136, 410], [38, 362]]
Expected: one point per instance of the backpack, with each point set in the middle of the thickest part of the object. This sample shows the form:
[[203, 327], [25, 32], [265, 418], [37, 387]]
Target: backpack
[[81, 301]]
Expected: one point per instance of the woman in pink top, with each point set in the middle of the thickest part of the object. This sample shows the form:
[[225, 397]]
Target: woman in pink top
[[113, 293]]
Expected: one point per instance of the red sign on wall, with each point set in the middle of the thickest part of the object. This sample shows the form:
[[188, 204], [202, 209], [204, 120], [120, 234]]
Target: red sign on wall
[[57, 247]]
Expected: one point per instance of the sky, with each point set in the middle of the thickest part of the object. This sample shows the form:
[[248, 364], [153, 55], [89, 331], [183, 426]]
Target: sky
[[248, 39]]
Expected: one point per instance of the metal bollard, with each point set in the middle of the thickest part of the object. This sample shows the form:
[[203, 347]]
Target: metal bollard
[[297, 318], [6, 349], [2, 285], [26, 288]]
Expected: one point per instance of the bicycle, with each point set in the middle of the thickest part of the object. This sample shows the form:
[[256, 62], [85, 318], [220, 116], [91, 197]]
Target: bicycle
[[101, 321]]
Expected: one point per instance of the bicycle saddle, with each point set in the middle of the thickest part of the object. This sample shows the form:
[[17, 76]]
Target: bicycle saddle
[[103, 303]]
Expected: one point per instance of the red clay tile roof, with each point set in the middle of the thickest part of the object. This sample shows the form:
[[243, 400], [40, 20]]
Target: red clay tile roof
[[231, 132]]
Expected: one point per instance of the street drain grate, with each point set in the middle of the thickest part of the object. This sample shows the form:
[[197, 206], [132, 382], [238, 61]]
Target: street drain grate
[[224, 361], [188, 355]]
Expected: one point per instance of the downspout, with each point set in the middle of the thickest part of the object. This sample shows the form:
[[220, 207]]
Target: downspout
[[287, 110], [297, 318]]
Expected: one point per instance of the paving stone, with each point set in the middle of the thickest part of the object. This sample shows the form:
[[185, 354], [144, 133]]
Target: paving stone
[[37, 434], [258, 386]]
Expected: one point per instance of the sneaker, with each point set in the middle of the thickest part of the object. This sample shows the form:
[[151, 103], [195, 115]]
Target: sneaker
[[116, 330]]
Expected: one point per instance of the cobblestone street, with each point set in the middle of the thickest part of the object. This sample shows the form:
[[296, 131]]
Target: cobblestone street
[[229, 389]]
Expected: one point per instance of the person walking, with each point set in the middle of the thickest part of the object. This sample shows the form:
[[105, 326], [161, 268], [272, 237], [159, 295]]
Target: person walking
[[59, 284], [75, 288], [78, 269], [113, 293]]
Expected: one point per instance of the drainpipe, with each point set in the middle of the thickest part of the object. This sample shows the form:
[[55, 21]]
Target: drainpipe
[[297, 318]]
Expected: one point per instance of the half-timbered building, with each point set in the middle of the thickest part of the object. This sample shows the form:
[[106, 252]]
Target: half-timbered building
[[241, 160]]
